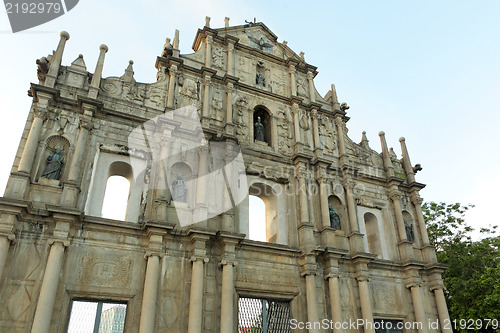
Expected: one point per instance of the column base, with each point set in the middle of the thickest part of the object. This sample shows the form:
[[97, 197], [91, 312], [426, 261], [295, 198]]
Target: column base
[[70, 195], [18, 185]]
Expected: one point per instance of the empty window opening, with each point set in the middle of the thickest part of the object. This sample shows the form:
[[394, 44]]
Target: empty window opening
[[96, 317], [263, 316], [116, 198], [372, 234], [257, 219]]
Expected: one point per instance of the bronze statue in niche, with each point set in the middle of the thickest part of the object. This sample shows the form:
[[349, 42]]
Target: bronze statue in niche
[[54, 165]]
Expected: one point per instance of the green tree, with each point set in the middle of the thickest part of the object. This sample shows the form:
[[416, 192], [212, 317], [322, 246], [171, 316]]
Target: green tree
[[473, 278]]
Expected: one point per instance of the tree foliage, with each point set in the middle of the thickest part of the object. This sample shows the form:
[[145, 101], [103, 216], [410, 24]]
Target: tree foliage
[[473, 278]]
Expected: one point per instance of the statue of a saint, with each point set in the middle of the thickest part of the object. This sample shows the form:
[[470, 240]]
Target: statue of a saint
[[409, 231], [179, 189], [334, 219], [259, 131], [53, 169], [260, 80]]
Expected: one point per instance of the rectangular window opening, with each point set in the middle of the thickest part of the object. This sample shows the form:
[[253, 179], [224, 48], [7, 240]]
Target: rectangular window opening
[[258, 315], [88, 316]]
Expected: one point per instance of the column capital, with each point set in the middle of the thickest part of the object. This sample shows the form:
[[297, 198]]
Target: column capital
[[64, 242], [291, 69], [415, 198], [210, 39], [309, 269], [349, 184], [40, 113], [309, 75], [363, 279], [225, 262], [332, 276], [394, 194], [339, 121], [153, 253], [230, 87], [413, 284], [86, 124], [230, 47], [208, 79], [314, 113], [195, 258]]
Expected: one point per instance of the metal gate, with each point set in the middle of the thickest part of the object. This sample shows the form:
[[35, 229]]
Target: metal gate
[[257, 315]]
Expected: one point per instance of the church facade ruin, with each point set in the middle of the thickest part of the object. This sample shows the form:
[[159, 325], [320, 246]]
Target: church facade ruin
[[345, 235]]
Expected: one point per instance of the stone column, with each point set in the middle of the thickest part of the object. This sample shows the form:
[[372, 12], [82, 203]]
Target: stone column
[[229, 103], [418, 306], [444, 317], [148, 310], [96, 78], [395, 196], [304, 211], [227, 304], [296, 125], [5, 240], [312, 299], [196, 295], [366, 305], [48, 290], [340, 132], [333, 286], [323, 195], [81, 144], [208, 51], [171, 86], [427, 249], [317, 144], [55, 63], [351, 206], [312, 95], [293, 83], [206, 97], [230, 59], [29, 152]]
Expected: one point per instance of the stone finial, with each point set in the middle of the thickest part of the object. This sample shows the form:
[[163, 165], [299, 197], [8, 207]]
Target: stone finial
[[207, 21], [103, 47], [226, 22], [301, 55], [344, 107], [364, 141], [64, 34], [176, 40], [285, 43], [78, 64], [167, 48], [96, 78], [128, 76]]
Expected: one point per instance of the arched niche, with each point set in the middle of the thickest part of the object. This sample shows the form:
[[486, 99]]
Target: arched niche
[[184, 171], [336, 204], [410, 222], [262, 113], [53, 143]]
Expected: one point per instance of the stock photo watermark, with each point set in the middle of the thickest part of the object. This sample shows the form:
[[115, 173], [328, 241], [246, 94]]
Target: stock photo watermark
[[26, 14]]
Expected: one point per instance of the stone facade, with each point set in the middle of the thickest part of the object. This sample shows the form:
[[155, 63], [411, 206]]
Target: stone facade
[[375, 263]]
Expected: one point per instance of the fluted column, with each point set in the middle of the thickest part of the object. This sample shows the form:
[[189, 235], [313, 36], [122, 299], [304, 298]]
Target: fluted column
[[171, 86], [55, 63], [428, 250], [312, 95], [48, 290], [208, 51], [418, 306], [293, 82], [304, 211], [5, 240], [148, 310], [227, 304], [96, 78], [444, 317], [29, 152], [366, 305], [406, 161], [81, 145], [196, 295]]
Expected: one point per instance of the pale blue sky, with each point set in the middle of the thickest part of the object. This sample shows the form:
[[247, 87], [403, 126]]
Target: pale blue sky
[[426, 70]]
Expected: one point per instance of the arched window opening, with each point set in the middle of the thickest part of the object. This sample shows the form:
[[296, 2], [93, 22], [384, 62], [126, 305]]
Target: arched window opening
[[372, 234], [116, 198], [267, 199], [257, 219], [262, 125]]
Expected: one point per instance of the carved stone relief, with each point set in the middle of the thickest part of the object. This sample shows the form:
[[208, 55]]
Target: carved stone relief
[[218, 57]]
